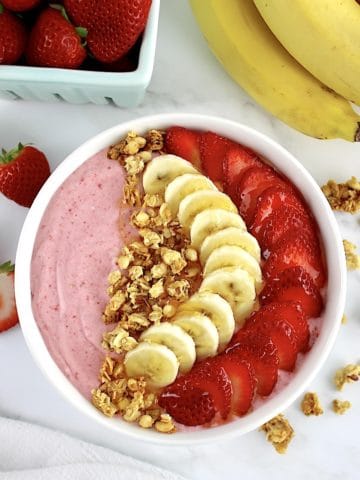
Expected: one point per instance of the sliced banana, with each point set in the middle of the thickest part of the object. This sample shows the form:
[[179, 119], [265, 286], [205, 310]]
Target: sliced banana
[[217, 309], [211, 220], [182, 186], [196, 202], [157, 363], [175, 338], [236, 286], [234, 256], [162, 170], [202, 331], [229, 236]]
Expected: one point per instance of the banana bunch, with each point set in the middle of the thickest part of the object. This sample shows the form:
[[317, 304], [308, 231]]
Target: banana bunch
[[229, 255], [306, 78]]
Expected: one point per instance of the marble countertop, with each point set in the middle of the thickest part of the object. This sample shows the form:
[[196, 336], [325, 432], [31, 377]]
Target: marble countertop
[[187, 78]]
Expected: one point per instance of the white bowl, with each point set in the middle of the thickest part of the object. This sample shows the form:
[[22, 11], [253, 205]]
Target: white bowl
[[335, 259]]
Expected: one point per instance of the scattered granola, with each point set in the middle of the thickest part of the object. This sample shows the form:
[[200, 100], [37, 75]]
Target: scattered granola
[[341, 406], [352, 258], [344, 319], [310, 404], [348, 374], [279, 432], [343, 196]]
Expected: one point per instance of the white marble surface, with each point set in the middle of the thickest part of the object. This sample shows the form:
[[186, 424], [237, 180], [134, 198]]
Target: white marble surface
[[187, 78]]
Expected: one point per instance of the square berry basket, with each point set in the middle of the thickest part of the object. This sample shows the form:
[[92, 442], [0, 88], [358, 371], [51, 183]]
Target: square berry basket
[[124, 89]]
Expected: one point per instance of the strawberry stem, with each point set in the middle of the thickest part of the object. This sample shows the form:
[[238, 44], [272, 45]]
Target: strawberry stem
[[8, 156], [7, 267]]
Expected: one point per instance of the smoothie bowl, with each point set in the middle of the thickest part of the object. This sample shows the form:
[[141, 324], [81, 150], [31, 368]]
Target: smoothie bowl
[[180, 274]]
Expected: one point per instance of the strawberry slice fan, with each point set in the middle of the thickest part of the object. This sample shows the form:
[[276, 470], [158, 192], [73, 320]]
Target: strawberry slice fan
[[293, 270]]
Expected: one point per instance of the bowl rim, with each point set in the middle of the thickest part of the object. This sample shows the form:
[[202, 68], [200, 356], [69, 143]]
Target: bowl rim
[[332, 242], [70, 77]]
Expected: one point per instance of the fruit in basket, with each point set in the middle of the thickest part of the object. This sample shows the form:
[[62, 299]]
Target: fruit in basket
[[20, 5], [256, 60], [23, 170], [113, 26], [54, 42], [333, 27], [12, 37], [8, 313]]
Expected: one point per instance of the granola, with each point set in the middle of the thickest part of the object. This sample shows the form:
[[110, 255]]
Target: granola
[[279, 432], [352, 258], [341, 406], [343, 196], [310, 404], [348, 374]]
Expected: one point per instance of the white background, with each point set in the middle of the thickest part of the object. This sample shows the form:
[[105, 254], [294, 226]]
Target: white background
[[187, 78]]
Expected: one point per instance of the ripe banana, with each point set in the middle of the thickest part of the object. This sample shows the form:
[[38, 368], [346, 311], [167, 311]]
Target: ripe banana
[[255, 59], [324, 37]]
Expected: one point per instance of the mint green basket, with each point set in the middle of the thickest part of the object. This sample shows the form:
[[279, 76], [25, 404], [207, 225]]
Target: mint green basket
[[125, 89]]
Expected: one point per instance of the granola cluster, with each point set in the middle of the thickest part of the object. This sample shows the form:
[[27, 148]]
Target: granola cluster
[[343, 196], [341, 406], [352, 258], [128, 397], [310, 404], [279, 432], [348, 374]]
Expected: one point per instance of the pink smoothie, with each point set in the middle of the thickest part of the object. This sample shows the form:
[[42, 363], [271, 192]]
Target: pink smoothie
[[79, 238]]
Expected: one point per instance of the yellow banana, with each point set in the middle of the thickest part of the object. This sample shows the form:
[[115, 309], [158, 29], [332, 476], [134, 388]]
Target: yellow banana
[[324, 36], [256, 60]]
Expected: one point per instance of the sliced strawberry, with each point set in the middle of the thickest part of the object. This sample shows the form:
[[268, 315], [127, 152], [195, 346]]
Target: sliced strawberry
[[297, 249], [292, 314], [184, 143], [187, 405], [243, 382], [282, 335], [270, 200], [294, 285], [213, 149], [259, 351], [8, 313], [237, 160], [253, 183], [280, 223]]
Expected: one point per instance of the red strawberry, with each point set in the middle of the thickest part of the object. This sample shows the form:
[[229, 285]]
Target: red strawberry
[[237, 160], [280, 223], [8, 313], [23, 171], [213, 149], [270, 200], [184, 143], [298, 249], [54, 42], [258, 350], [294, 284], [291, 314], [113, 26], [281, 334], [243, 382], [252, 184], [20, 5], [187, 405], [12, 37]]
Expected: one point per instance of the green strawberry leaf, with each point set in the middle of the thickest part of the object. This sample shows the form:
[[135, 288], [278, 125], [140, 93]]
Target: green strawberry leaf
[[8, 156], [7, 267]]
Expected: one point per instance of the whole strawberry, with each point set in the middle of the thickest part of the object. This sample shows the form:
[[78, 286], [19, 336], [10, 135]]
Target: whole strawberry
[[12, 37], [23, 171], [54, 42], [8, 313], [113, 26], [20, 5]]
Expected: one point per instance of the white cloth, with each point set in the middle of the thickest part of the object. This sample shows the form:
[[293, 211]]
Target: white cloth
[[30, 452]]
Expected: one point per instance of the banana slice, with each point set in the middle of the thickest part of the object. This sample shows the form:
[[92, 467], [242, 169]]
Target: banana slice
[[236, 286], [175, 338], [162, 170], [217, 309], [157, 363], [233, 256], [202, 331], [229, 236], [210, 221], [196, 202], [182, 186]]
